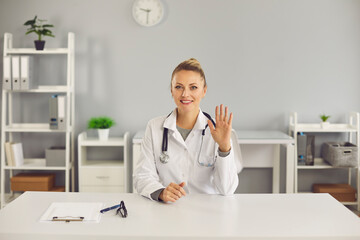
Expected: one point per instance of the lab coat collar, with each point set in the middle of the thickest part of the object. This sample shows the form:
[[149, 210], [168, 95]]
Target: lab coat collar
[[170, 122]]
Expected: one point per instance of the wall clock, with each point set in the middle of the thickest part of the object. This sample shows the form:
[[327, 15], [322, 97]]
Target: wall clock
[[148, 13]]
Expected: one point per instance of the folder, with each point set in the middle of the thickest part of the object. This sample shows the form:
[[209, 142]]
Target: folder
[[25, 72], [53, 112], [301, 148], [7, 73], [57, 112], [15, 60], [9, 159], [17, 154], [61, 112]]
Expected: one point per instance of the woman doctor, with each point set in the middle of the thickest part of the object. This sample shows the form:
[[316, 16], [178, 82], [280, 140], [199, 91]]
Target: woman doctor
[[184, 152]]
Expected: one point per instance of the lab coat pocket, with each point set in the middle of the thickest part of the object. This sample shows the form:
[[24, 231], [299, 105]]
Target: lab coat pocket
[[203, 169], [206, 161]]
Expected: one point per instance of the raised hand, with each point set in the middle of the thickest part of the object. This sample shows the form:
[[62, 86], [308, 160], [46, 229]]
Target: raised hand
[[172, 192], [222, 132]]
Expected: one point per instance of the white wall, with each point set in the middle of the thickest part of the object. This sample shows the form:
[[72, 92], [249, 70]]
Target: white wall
[[263, 58]]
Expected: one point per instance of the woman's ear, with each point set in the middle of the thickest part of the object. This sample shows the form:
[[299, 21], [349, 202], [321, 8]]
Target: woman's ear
[[205, 89]]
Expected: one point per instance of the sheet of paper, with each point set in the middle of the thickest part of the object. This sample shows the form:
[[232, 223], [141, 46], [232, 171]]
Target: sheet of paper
[[90, 211]]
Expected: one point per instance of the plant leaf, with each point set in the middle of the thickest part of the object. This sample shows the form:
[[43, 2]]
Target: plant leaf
[[29, 31], [29, 22], [48, 25]]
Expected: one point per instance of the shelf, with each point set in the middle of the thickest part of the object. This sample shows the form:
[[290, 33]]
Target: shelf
[[31, 127], [34, 51], [102, 163], [101, 173], [349, 203], [44, 89], [338, 127], [319, 163], [34, 164], [350, 127], [10, 129], [95, 142]]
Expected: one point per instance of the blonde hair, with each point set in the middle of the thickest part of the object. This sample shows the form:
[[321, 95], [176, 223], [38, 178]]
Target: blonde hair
[[190, 65]]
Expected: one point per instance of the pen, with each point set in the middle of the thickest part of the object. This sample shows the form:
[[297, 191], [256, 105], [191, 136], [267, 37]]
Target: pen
[[109, 208]]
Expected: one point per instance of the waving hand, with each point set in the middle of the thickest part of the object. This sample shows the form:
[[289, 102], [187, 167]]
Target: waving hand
[[222, 132]]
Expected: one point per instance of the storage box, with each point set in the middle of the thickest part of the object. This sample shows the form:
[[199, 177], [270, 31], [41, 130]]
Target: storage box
[[55, 157], [342, 154], [341, 192], [32, 182]]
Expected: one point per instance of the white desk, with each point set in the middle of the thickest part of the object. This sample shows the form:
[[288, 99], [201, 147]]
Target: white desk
[[256, 147], [241, 216]]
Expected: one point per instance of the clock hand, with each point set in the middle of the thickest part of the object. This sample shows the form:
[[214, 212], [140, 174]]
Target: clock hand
[[145, 10]]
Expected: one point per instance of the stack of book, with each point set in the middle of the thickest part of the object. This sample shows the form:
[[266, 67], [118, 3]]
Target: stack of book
[[14, 154]]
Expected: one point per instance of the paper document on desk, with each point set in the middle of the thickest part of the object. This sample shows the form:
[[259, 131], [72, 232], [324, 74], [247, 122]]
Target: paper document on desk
[[86, 211]]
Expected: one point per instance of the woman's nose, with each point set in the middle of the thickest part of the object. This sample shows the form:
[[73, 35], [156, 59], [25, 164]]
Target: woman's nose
[[184, 93]]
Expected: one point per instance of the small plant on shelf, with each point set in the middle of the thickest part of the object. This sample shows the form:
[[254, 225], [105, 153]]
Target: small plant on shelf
[[324, 119], [39, 27], [102, 124]]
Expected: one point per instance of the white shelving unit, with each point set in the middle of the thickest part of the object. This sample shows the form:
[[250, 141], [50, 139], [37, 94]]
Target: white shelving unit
[[9, 128], [352, 127], [103, 175]]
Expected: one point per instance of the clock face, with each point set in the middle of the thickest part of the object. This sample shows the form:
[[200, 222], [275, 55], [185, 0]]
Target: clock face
[[148, 12]]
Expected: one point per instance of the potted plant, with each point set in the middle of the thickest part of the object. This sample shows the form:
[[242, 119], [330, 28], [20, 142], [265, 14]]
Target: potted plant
[[39, 27], [102, 124], [324, 118]]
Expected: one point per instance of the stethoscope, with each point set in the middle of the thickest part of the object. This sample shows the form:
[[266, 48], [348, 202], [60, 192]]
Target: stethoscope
[[164, 156]]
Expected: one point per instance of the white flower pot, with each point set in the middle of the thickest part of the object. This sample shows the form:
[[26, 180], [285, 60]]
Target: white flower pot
[[103, 134], [325, 124]]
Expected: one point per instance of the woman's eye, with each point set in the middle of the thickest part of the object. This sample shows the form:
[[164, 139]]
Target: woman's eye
[[194, 87], [178, 87]]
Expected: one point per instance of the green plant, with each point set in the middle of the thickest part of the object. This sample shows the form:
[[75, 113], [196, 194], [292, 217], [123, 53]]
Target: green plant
[[37, 26], [324, 117], [101, 122]]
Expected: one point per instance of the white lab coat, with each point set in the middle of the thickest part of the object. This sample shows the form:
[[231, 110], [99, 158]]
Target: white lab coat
[[150, 174]]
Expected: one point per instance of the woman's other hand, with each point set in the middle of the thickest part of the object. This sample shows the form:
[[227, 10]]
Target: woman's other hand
[[172, 192], [222, 132]]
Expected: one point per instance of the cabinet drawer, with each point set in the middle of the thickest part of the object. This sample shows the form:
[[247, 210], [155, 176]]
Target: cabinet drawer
[[102, 176], [102, 189]]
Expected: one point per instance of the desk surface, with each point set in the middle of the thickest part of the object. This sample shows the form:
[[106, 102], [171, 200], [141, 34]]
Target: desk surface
[[247, 137], [259, 216]]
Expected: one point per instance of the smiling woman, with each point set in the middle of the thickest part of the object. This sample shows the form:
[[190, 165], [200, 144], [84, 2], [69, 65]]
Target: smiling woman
[[186, 152], [187, 89]]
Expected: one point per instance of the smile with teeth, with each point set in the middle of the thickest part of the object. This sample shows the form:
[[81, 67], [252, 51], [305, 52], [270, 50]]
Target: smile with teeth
[[186, 101]]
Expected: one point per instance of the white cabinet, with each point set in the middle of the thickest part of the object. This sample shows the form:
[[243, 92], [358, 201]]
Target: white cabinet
[[11, 128], [351, 129], [103, 175]]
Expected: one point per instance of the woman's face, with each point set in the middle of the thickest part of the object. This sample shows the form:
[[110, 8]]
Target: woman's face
[[187, 89]]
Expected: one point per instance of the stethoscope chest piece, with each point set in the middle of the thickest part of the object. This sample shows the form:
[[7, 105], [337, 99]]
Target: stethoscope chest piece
[[164, 157]]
